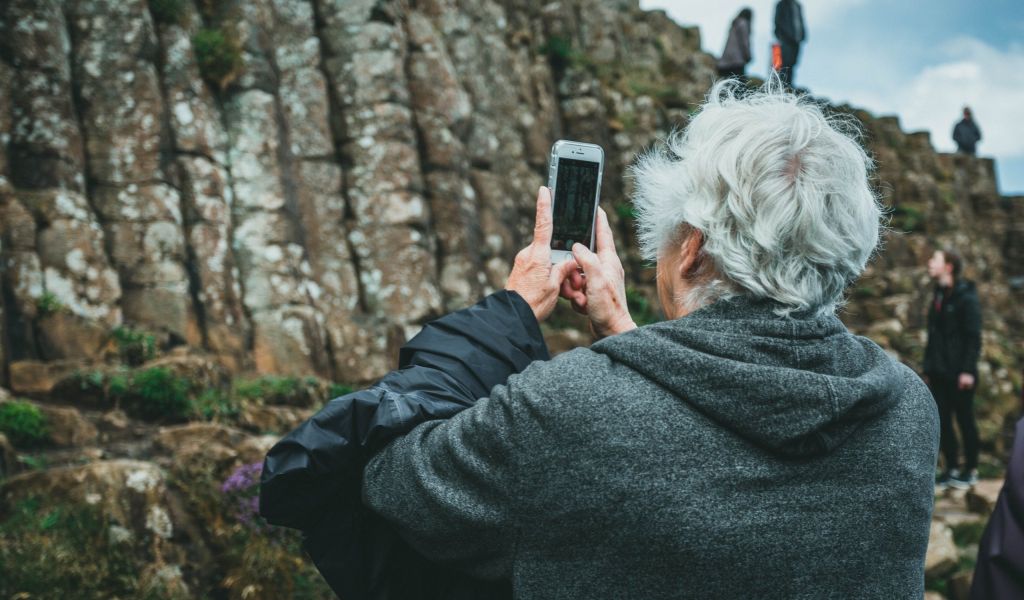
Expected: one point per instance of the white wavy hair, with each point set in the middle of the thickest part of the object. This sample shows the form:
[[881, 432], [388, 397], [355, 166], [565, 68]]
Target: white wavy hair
[[779, 190]]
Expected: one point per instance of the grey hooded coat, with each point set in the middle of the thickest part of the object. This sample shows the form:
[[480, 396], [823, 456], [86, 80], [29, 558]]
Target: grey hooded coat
[[731, 454]]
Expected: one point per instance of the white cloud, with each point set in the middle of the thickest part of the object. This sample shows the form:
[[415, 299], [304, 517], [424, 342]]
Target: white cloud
[[989, 80]]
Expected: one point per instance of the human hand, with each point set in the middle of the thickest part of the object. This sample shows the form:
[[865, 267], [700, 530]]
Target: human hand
[[600, 292], [533, 276], [966, 381]]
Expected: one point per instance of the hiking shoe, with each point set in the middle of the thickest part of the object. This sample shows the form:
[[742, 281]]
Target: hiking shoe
[[947, 477], [964, 482]]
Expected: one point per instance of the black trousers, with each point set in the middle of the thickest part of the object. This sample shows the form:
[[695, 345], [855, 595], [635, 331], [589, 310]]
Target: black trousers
[[790, 54], [739, 72], [953, 401]]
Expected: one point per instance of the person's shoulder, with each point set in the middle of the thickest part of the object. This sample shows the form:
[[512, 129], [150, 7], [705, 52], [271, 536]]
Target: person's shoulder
[[566, 369], [568, 383], [913, 394], [966, 288]]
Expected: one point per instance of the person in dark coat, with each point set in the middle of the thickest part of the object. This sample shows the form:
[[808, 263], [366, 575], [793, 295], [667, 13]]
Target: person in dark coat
[[731, 451], [999, 573], [951, 363], [966, 134], [736, 55], [791, 31]]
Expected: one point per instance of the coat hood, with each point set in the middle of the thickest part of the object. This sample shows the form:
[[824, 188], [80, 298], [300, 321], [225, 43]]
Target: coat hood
[[797, 386]]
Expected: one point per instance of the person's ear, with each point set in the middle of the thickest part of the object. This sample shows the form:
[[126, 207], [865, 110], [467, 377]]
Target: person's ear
[[690, 254]]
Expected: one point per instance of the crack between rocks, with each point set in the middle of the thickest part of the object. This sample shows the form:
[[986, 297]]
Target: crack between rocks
[[168, 153], [429, 198], [88, 181], [293, 204], [340, 157]]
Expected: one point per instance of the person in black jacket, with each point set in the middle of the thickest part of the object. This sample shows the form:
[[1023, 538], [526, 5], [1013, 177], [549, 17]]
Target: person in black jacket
[[966, 134], [791, 32], [951, 363]]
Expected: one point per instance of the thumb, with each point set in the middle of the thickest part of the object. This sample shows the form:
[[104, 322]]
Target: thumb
[[586, 259]]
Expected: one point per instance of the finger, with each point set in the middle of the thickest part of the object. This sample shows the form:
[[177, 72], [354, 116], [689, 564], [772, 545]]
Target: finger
[[578, 298], [562, 270], [586, 259], [577, 280], [542, 225], [605, 241]]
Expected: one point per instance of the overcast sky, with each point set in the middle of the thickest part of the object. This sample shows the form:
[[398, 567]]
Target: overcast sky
[[922, 61]]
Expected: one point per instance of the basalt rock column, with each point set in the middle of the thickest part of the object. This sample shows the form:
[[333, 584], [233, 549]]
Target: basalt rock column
[[114, 49]]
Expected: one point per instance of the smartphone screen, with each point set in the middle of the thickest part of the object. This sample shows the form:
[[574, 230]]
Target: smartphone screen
[[574, 206]]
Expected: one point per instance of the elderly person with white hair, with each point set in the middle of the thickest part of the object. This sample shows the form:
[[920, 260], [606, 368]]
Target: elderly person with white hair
[[747, 447]]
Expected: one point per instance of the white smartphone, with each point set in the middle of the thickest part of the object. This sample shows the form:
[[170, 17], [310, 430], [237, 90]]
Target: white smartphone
[[575, 182]]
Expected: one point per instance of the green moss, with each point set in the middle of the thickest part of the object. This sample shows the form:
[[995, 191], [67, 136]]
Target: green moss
[[170, 12], [34, 462], [278, 389], [135, 346], [965, 534], [338, 389], [63, 550], [216, 405], [866, 291], [48, 303], [907, 218], [158, 393], [559, 51], [625, 210], [219, 56], [23, 423]]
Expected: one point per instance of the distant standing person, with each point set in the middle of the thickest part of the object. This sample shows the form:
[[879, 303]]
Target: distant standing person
[[951, 363], [966, 133], [737, 48], [790, 31]]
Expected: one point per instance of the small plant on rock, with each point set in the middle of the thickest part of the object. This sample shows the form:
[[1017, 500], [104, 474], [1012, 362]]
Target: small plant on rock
[[48, 304], [63, 550], [219, 56], [338, 389], [134, 346], [279, 390], [216, 405], [170, 12], [158, 393], [23, 423]]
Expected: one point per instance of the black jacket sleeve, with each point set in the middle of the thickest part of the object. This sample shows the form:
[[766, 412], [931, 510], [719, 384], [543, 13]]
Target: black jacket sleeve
[[999, 574], [971, 331], [312, 478]]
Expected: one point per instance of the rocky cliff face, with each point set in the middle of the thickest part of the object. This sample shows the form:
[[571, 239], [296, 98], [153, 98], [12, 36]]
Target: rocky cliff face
[[292, 187]]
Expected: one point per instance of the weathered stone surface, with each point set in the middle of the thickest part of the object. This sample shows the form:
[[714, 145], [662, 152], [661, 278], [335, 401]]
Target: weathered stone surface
[[46, 145], [208, 197], [76, 271], [274, 419], [39, 377], [983, 496], [113, 54], [67, 427], [202, 372], [941, 558], [130, 492], [208, 447]]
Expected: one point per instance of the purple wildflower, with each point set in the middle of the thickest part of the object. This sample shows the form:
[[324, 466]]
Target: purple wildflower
[[242, 486]]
